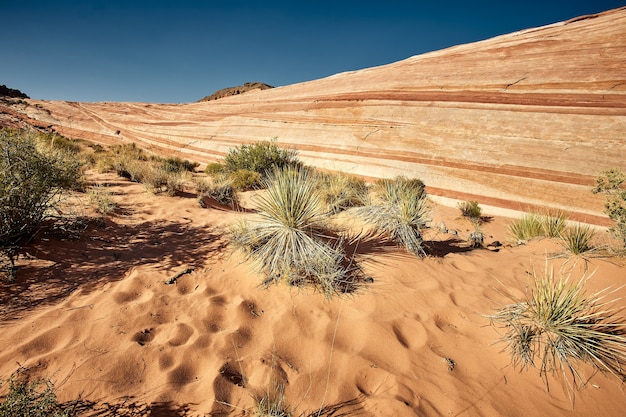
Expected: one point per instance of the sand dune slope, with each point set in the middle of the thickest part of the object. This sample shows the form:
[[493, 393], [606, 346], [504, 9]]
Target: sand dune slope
[[96, 315]]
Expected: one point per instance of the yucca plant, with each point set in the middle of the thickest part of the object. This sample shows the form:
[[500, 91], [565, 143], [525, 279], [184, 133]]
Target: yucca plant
[[554, 223], [577, 239], [527, 227], [400, 211], [558, 326], [289, 241]]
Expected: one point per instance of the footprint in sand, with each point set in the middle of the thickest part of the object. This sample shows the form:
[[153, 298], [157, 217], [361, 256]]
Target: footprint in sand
[[410, 334], [463, 265], [182, 334], [144, 337]]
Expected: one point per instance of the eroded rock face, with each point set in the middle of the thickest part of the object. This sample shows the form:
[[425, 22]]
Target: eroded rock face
[[520, 120]]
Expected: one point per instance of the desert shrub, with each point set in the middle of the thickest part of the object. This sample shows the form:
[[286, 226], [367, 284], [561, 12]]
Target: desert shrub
[[245, 180], [32, 181], [400, 210], [214, 168], [158, 180], [59, 142], [290, 241], [471, 210], [33, 398], [221, 190], [341, 191], [553, 224], [178, 165], [476, 238], [103, 201], [528, 227], [558, 326], [612, 183], [577, 239], [262, 157]]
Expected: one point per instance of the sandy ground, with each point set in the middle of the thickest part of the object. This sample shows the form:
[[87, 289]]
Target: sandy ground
[[95, 315]]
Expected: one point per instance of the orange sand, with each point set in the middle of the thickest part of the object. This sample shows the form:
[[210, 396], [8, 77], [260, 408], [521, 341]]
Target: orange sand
[[95, 315]]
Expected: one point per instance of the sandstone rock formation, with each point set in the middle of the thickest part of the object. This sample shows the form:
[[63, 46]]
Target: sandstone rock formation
[[522, 120], [233, 91]]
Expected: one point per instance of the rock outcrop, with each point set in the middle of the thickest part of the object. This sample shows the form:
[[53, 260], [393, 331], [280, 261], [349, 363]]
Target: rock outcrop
[[519, 121], [233, 91]]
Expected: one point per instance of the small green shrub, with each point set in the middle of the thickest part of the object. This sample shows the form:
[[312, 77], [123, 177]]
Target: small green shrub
[[32, 182], [613, 184], [577, 239], [214, 168], [178, 165], [245, 180], [400, 210], [33, 398], [261, 157], [102, 199], [471, 210], [558, 326]]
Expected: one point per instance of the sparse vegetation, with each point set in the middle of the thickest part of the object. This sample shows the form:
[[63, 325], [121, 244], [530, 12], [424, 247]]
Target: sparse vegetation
[[471, 210], [533, 225], [340, 191], [577, 239], [613, 184], [245, 180], [558, 326], [220, 189], [32, 180], [262, 157], [399, 210], [290, 242], [32, 398], [102, 199]]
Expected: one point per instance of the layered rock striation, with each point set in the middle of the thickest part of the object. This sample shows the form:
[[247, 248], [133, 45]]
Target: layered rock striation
[[525, 120]]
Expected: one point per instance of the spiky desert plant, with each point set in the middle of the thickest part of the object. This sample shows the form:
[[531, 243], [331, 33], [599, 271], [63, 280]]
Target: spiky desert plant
[[289, 241], [553, 223], [399, 210], [527, 227], [272, 403], [340, 191], [558, 326], [476, 238], [577, 239]]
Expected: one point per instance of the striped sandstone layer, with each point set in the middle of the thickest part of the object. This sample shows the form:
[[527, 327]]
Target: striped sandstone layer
[[520, 121]]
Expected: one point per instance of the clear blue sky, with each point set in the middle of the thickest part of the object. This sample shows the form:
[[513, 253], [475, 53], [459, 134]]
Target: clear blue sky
[[181, 50]]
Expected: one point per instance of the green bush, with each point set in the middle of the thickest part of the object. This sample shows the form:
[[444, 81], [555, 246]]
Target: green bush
[[177, 165], [558, 326], [214, 168], [400, 210], [613, 184], [245, 180], [33, 398], [32, 181], [261, 157]]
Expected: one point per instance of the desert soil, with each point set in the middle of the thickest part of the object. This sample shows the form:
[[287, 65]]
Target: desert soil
[[94, 314]]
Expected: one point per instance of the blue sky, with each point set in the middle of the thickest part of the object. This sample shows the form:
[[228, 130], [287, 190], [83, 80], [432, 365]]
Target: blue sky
[[181, 50]]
